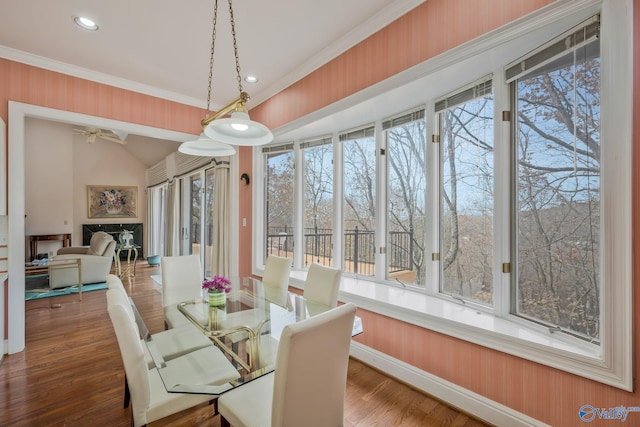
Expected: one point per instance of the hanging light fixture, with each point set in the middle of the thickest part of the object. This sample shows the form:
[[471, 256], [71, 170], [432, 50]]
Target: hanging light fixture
[[203, 145], [238, 129]]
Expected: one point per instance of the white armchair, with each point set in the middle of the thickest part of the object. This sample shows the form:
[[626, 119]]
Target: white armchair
[[96, 260]]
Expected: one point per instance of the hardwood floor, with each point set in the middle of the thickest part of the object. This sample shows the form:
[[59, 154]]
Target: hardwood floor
[[71, 374]]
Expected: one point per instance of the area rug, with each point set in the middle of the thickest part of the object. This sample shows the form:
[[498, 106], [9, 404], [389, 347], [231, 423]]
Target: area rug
[[38, 293]]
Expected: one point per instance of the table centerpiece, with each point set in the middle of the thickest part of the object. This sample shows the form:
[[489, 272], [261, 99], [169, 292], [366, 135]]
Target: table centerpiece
[[217, 288]]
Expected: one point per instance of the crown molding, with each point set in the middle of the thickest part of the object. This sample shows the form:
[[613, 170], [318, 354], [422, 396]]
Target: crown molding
[[95, 76], [377, 22]]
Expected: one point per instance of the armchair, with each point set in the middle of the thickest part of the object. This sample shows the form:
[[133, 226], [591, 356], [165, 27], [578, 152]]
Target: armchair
[[96, 260]]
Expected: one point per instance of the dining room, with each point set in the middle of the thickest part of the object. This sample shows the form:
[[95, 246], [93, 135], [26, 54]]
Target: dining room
[[448, 162], [73, 356]]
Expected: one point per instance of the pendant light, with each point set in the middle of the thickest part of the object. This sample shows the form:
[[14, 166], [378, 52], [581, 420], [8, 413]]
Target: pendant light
[[206, 147], [238, 128], [203, 145]]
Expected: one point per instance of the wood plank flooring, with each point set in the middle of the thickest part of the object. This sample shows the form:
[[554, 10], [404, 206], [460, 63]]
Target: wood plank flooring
[[71, 373]]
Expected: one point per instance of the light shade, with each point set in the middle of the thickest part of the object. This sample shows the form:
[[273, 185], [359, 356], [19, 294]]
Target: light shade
[[206, 147], [224, 130]]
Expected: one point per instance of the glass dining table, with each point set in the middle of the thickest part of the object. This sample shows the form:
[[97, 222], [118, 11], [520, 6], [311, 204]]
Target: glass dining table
[[246, 328]]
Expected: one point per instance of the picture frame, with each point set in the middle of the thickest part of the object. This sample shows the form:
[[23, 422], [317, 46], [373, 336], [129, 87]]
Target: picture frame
[[112, 201]]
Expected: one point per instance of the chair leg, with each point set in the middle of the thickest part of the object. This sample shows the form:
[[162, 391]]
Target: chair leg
[[127, 394], [224, 422]]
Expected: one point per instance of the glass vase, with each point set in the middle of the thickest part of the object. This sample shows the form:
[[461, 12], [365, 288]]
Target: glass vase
[[217, 298]]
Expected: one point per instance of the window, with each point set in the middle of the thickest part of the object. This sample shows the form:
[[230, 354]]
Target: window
[[157, 226], [359, 212], [496, 204], [406, 194], [209, 189], [195, 224], [318, 201], [279, 200], [557, 181], [466, 193]]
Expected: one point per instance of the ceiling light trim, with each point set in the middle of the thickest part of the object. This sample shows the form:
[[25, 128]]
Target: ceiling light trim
[[86, 23]]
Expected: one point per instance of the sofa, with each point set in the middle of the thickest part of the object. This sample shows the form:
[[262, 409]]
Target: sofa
[[95, 260]]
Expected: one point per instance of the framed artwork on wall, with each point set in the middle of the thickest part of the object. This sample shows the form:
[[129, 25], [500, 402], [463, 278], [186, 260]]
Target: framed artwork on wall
[[113, 201]]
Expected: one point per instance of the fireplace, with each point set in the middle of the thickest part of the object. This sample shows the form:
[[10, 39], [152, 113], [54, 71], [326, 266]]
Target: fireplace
[[115, 230]]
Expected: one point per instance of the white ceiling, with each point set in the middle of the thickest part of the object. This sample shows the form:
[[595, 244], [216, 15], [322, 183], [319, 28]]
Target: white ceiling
[[162, 47]]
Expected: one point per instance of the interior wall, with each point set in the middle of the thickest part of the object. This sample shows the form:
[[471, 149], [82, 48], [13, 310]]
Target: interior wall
[[104, 163], [49, 178], [61, 164], [437, 25], [546, 394], [427, 31], [43, 88]]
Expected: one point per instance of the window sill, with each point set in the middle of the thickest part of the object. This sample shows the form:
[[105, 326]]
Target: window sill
[[467, 323]]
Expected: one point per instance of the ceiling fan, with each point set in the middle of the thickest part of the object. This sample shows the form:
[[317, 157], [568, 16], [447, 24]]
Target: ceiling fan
[[112, 135]]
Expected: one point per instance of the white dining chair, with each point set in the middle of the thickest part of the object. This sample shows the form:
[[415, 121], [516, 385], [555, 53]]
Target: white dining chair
[[114, 282], [150, 400], [308, 385], [181, 281], [171, 343], [276, 272], [275, 276], [322, 284]]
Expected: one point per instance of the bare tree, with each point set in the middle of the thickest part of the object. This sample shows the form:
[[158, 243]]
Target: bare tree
[[318, 188], [360, 182], [406, 146], [559, 196], [467, 198], [318, 204], [279, 202]]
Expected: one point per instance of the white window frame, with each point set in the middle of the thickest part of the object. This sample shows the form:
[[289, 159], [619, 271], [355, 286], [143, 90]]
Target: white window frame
[[436, 187], [610, 363]]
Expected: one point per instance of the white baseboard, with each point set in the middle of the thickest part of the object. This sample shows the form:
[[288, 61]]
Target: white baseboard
[[459, 397]]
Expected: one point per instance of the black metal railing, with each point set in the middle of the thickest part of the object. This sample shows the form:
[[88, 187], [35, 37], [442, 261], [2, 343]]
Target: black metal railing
[[359, 248], [360, 251], [280, 241], [318, 244]]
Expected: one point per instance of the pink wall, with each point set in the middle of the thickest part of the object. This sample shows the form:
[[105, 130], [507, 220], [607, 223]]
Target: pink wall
[[244, 260], [543, 393], [32, 85], [432, 28], [546, 394]]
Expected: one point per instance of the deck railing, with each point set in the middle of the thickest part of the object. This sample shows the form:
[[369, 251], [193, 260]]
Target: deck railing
[[359, 248]]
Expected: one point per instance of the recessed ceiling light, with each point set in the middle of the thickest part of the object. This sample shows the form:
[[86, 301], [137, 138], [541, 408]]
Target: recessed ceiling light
[[251, 79], [85, 23]]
